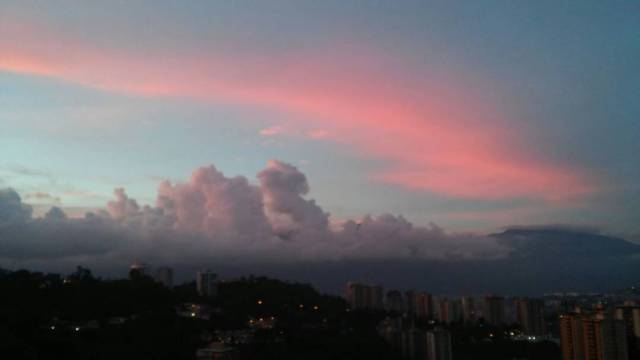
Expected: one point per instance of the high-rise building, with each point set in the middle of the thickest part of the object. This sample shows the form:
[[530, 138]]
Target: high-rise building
[[419, 303], [361, 296], [355, 294], [629, 313], [138, 270], [437, 307], [611, 339], [414, 344], [394, 302], [530, 315], [391, 330], [164, 275], [494, 310], [571, 338], [450, 310], [375, 296], [443, 310], [468, 309], [410, 297], [596, 336], [424, 305], [207, 283], [438, 345]]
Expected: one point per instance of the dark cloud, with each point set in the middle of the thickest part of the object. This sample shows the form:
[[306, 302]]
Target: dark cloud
[[12, 210], [558, 227], [56, 237], [55, 213]]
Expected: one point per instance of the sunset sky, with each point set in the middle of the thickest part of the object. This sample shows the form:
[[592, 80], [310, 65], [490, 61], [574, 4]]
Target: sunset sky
[[472, 115]]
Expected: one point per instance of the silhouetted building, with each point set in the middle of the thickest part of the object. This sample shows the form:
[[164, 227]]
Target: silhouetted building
[[394, 302], [390, 329], [438, 345], [592, 337], [410, 299], [468, 309], [571, 337], [164, 275], [494, 310], [424, 305], [414, 344], [207, 283], [138, 270], [361, 296], [375, 296], [419, 303], [450, 310], [629, 313], [355, 294], [530, 315]]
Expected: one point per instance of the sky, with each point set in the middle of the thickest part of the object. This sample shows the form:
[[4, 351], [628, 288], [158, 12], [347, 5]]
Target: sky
[[464, 116]]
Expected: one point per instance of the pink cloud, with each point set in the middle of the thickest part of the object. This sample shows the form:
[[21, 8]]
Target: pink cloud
[[434, 135], [318, 134], [272, 131]]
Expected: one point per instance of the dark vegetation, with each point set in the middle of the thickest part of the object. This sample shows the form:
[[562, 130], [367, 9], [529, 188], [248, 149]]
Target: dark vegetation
[[481, 341], [39, 314], [47, 316]]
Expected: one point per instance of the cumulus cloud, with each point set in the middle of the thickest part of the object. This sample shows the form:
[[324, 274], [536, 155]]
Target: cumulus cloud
[[55, 213], [12, 210], [122, 207], [212, 216], [388, 236], [283, 187], [215, 206]]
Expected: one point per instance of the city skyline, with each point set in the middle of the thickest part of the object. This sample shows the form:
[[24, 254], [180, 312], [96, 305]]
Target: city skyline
[[300, 179]]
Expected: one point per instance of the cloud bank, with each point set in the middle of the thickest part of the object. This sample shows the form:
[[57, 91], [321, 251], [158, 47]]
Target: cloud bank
[[215, 218]]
